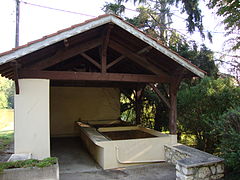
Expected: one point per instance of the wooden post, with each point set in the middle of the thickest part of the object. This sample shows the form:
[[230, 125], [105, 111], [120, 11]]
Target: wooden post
[[173, 88], [173, 109], [138, 105]]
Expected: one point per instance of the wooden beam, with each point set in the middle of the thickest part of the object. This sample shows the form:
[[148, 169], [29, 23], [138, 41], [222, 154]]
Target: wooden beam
[[131, 85], [91, 60], [122, 57], [91, 76], [160, 95], [15, 70], [106, 36], [115, 61], [62, 55], [138, 105], [137, 59]]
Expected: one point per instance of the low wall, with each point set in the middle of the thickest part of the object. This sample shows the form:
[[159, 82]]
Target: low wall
[[192, 164], [50, 173]]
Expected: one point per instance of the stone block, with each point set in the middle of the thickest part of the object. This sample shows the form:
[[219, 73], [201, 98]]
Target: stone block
[[203, 172], [20, 157], [178, 167], [220, 168], [187, 171], [213, 169], [217, 176], [181, 176]]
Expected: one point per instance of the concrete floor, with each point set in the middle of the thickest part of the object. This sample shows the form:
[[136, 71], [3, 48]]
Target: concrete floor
[[72, 155], [76, 164]]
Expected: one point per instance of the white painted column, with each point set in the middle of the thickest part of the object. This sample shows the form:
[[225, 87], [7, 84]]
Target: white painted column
[[32, 118]]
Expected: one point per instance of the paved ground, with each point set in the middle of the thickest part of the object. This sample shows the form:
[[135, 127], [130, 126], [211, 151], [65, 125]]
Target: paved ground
[[76, 164], [162, 171]]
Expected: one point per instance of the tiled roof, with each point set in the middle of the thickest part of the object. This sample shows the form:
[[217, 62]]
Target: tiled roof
[[89, 21]]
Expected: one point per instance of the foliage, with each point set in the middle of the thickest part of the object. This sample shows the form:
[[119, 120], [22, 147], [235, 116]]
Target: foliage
[[6, 137], [28, 163], [200, 106], [230, 11], [201, 56], [191, 8], [6, 93], [115, 8], [228, 130]]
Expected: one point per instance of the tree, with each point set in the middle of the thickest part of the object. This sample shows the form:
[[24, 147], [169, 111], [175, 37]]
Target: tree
[[194, 19], [115, 8], [228, 131], [229, 10], [202, 105], [200, 56], [6, 93]]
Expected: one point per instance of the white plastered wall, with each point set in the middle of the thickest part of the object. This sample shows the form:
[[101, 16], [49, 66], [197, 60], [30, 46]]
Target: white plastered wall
[[32, 118], [71, 104]]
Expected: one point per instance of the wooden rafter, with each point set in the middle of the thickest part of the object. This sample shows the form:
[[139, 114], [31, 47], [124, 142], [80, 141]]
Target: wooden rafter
[[137, 59], [91, 60], [122, 57], [92, 76], [62, 55], [160, 95]]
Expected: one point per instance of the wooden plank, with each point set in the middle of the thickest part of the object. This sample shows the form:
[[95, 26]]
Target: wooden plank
[[91, 60], [137, 59], [122, 57], [92, 76], [62, 55], [160, 95]]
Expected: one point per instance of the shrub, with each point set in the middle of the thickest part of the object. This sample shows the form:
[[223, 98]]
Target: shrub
[[200, 106], [228, 129]]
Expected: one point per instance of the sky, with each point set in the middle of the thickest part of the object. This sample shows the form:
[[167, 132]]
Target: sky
[[36, 22]]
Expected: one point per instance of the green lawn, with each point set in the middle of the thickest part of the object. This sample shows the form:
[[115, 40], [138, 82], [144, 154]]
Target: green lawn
[[6, 118], [6, 137]]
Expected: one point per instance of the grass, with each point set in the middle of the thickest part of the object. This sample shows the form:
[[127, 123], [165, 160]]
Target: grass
[[6, 137], [28, 163], [6, 118]]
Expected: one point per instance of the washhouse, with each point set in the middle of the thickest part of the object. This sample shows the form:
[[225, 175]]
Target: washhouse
[[69, 84]]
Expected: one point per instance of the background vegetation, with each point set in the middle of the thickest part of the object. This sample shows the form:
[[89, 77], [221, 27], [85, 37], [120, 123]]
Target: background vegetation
[[208, 109]]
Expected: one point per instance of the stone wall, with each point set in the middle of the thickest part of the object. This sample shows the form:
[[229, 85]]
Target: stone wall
[[192, 164]]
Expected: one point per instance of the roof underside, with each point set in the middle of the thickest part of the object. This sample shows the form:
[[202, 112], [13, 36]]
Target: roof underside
[[126, 52]]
